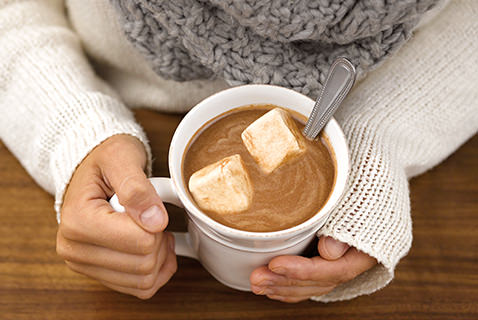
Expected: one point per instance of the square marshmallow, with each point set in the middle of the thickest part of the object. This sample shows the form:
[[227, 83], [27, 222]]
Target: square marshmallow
[[223, 187], [273, 139]]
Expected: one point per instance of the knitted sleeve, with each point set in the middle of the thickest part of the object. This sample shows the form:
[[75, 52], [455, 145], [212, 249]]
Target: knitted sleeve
[[403, 119], [54, 110]]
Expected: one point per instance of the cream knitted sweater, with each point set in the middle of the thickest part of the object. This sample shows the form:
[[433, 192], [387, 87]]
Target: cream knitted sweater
[[401, 120]]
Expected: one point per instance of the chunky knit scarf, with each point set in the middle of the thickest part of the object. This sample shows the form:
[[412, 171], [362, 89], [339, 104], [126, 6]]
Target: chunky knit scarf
[[285, 42]]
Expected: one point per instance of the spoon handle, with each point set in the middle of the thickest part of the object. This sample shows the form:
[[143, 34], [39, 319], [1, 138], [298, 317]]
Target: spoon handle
[[340, 80]]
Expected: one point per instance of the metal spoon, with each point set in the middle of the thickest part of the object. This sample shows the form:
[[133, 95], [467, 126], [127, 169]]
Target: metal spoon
[[340, 79]]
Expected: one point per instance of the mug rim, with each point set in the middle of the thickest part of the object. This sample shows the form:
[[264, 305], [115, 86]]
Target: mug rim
[[335, 195]]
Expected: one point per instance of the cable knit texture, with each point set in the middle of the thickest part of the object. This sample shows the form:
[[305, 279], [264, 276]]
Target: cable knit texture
[[287, 43], [402, 119]]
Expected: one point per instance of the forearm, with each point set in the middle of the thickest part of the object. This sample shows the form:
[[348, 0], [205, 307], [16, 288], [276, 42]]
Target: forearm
[[54, 108]]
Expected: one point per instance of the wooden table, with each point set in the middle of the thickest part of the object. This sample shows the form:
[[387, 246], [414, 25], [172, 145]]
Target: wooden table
[[437, 280]]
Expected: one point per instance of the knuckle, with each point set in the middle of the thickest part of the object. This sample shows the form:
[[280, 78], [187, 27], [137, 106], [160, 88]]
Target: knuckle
[[146, 282], [146, 294], [133, 189], [146, 243], [147, 265], [63, 248], [60, 246], [67, 226]]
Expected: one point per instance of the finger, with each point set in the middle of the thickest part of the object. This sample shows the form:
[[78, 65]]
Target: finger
[[124, 173], [287, 299], [84, 253], [298, 292], [331, 249], [341, 270], [96, 223], [165, 273], [123, 279], [262, 278], [300, 268]]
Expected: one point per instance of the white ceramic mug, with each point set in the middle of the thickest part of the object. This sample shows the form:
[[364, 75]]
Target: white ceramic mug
[[230, 255]]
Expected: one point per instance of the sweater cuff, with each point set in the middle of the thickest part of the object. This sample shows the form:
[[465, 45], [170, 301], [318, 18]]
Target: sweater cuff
[[83, 128], [374, 213]]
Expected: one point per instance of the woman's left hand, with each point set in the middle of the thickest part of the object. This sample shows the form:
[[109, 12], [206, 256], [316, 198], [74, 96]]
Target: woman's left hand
[[296, 278]]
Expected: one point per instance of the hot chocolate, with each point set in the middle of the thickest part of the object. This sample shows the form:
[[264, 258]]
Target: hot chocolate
[[283, 198]]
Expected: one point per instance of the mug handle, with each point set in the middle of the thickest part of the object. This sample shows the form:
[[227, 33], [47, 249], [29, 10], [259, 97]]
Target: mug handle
[[164, 188]]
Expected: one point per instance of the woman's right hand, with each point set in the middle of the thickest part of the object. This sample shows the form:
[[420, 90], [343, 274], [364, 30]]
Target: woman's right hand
[[127, 252]]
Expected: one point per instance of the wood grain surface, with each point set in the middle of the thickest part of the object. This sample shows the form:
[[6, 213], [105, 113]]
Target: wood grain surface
[[437, 280]]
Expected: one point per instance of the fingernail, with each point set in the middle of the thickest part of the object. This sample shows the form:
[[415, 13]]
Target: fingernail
[[152, 217], [335, 248], [279, 270]]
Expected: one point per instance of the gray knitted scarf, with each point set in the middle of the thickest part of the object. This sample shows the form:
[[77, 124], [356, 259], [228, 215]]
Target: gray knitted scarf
[[285, 42]]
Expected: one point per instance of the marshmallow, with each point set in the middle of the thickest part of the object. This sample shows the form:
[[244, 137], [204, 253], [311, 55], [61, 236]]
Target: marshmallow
[[273, 139], [223, 187]]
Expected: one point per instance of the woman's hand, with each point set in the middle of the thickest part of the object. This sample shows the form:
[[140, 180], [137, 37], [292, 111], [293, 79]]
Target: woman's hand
[[295, 278], [127, 252]]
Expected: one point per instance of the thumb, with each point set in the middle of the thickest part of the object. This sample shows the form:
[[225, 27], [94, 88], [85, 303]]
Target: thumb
[[136, 194], [141, 201], [331, 249]]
